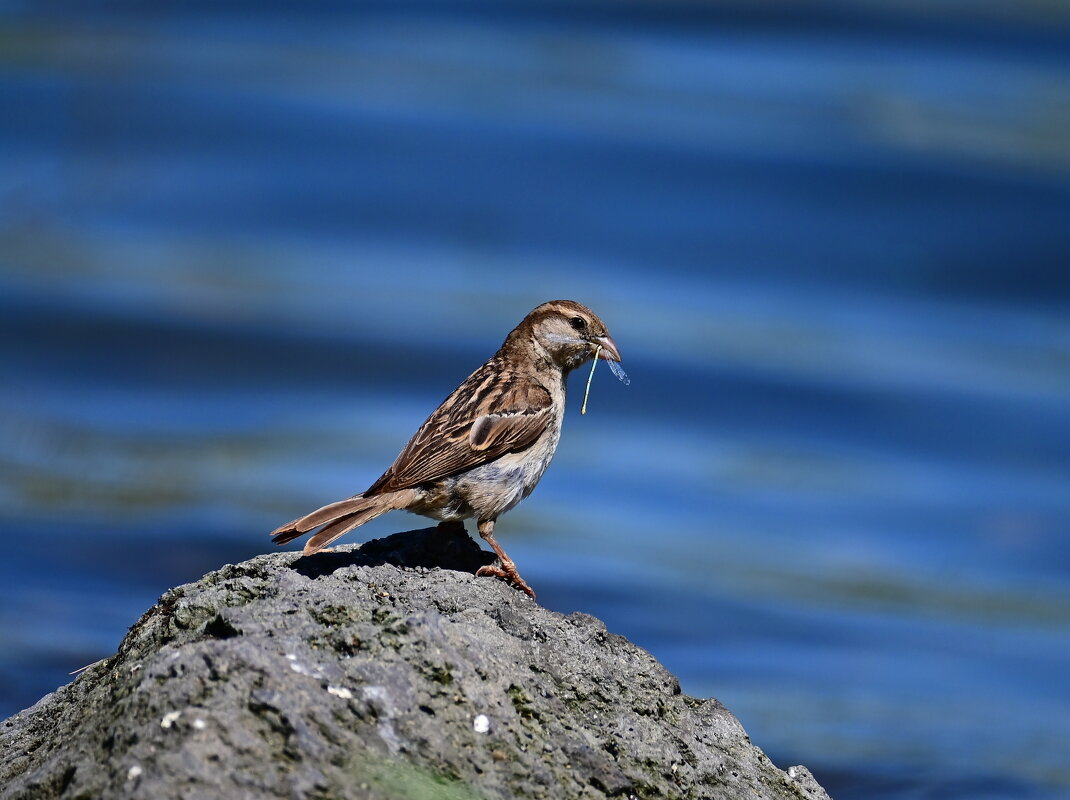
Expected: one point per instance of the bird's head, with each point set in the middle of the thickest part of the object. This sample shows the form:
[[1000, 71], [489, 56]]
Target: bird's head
[[567, 333]]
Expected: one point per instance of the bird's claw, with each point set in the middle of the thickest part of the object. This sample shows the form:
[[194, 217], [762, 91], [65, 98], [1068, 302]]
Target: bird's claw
[[507, 571]]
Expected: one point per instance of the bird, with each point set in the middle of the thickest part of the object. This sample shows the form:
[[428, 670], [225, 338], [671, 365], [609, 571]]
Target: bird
[[486, 446]]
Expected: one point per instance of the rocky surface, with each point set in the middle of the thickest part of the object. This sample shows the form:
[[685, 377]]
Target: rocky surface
[[382, 671]]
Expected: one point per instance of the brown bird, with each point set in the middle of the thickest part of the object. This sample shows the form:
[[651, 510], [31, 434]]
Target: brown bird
[[483, 450]]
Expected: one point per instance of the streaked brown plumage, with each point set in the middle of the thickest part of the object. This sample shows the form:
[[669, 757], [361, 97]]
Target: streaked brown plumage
[[486, 447]]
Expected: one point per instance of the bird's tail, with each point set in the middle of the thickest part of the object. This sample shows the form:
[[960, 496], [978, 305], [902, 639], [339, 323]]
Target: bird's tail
[[339, 518]]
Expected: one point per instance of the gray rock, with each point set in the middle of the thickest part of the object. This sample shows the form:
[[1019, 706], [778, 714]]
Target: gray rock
[[382, 671]]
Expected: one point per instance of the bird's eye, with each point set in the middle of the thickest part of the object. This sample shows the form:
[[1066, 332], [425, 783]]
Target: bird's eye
[[579, 323]]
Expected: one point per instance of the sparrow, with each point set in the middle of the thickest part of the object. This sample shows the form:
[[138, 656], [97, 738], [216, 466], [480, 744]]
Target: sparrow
[[486, 446]]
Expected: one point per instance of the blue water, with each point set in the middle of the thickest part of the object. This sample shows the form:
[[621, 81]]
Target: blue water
[[245, 250]]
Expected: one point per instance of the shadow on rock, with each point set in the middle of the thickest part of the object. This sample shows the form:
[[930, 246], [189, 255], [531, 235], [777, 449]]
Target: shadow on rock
[[446, 546]]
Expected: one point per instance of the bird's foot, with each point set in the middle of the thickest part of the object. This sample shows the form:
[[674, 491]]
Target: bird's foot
[[507, 570]]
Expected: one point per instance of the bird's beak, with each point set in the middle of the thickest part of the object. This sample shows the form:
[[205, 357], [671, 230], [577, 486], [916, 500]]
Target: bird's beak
[[609, 351]]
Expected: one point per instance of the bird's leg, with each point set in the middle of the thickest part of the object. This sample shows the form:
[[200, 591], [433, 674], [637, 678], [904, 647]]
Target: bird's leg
[[507, 569]]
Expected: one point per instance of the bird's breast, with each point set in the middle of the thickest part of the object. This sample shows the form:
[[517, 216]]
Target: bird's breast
[[493, 488]]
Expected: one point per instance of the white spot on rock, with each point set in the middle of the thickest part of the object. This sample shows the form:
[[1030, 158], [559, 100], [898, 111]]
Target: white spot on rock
[[134, 772], [376, 694], [481, 724], [379, 698], [301, 669], [199, 724], [169, 719], [340, 691]]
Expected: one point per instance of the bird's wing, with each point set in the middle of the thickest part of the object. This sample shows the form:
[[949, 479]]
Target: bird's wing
[[490, 414]]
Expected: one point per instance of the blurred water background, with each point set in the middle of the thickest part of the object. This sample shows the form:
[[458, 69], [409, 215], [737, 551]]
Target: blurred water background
[[246, 248]]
